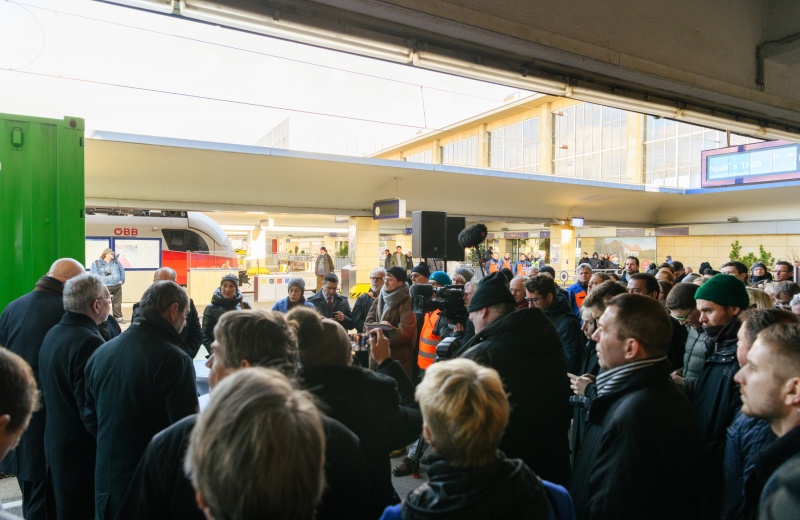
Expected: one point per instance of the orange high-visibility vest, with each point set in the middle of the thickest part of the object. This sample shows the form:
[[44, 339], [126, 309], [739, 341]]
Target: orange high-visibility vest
[[428, 339]]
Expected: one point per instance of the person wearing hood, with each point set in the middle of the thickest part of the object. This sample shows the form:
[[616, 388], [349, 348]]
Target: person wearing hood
[[759, 274], [296, 288], [227, 297], [543, 294], [470, 478], [524, 347], [392, 307]]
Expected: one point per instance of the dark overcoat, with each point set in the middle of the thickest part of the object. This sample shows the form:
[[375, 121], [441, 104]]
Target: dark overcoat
[[69, 447], [640, 457], [23, 326], [136, 385], [525, 349]]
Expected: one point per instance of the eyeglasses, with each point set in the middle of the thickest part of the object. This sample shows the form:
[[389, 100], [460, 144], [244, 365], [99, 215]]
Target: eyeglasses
[[533, 300], [375, 278], [779, 271], [685, 316]]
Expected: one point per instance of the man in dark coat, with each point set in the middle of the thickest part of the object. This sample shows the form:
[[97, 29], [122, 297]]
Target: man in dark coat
[[639, 456], [69, 448], [331, 304], [192, 333], [525, 349], [364, 302], [378, 407], [543, 294], [136, 385], [160, 490], [715, 394], [23, 326]]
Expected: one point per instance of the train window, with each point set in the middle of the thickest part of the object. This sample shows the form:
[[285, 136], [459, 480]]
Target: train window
[[184, 240]]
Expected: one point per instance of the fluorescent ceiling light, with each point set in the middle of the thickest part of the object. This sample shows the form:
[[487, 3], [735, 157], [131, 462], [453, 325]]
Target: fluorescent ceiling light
[[216, 13]]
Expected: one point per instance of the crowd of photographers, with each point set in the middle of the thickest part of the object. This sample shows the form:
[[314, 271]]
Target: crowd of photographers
[[646, 395]]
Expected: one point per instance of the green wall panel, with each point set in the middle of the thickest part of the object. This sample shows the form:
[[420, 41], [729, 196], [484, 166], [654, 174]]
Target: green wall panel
[[42, 213]]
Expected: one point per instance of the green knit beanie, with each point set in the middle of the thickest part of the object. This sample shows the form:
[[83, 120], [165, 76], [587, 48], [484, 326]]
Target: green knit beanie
[[726, 290]]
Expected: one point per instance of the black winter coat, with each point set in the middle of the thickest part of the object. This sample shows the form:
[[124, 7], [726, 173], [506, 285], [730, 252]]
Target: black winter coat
[[217, 308], [378, 407], [361, 309], [136, 385], [569, 330], [160, 490], [525, 349], [23, 326], [639, 457], [69, 448], [506, 489], [715, 397], [192, 333]]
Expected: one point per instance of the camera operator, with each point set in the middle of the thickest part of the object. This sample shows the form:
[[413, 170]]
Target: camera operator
[[525, 349], [434, 326]]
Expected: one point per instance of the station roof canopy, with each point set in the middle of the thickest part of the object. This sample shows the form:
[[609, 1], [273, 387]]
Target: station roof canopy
[[134, 171]]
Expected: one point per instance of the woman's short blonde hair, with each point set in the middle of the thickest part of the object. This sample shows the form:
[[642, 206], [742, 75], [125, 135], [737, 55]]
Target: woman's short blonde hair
[[466, 410]]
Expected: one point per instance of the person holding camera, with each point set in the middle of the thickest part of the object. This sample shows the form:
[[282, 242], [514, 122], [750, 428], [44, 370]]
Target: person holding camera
[[108, 268], [392, 307]]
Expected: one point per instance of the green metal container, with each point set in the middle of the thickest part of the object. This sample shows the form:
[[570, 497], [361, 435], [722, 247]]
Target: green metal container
[[42, 184]]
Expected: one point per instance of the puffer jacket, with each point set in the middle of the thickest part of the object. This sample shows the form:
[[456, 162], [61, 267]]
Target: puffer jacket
[[505, 489], [747, 436], [217, 308], [716, 400], [694, 356]]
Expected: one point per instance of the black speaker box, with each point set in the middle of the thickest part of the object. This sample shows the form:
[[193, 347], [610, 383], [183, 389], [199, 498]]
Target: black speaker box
[[455, 225], [429, 234]]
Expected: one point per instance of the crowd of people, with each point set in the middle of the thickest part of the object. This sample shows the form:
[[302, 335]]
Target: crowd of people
[[655, 394]]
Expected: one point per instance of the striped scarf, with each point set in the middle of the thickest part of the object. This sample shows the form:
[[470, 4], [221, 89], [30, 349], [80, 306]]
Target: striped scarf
[[608, 381]]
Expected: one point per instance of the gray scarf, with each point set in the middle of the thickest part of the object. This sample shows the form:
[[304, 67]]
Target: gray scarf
[[388, 301]]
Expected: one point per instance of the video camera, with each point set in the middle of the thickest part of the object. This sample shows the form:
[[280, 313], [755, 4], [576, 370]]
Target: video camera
[[449, 301]]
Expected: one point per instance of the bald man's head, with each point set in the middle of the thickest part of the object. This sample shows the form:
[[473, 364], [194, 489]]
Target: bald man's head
[[165, 273], [65, 268]]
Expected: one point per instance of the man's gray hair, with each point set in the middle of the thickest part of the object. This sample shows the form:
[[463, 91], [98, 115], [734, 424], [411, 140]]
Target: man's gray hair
[[161, 295], [583, 266], [258, 450], [168, 270], [378, 270], [470, 283], [81, 291]]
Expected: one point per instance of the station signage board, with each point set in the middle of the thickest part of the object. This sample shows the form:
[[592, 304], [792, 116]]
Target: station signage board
[[389, 208], [749, 164]]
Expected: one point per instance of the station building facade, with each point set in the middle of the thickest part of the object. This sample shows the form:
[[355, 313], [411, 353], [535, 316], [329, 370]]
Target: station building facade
[[542, 134]]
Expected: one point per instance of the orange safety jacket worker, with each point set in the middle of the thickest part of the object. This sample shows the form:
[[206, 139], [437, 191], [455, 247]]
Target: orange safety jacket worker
[[428, 339], [507, 264]]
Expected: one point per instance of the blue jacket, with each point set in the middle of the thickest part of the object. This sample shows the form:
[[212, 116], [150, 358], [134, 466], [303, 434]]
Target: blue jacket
[[116, 272], [747, 436], [283, 305]]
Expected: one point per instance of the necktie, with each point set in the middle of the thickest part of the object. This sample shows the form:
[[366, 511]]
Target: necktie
[[330, 303]]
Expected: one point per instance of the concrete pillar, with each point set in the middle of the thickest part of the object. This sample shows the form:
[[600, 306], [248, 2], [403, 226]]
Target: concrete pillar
[[483, 147], [364, 252], [635, 165], [562, 249], [545, 140]]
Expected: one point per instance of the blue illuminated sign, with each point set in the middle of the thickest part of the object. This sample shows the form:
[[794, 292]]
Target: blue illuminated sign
[[761, 162]]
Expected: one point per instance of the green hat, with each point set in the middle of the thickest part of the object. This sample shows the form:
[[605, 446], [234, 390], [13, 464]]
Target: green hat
[[726, 290]]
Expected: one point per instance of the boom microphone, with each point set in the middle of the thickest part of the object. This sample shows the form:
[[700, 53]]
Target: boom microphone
[[472, 236]]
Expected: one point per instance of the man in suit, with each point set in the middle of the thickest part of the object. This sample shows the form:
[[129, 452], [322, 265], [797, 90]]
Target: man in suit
[[331, 304]]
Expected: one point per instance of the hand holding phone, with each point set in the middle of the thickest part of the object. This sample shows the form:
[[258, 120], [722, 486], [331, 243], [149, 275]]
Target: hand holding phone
[[379, 346]]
